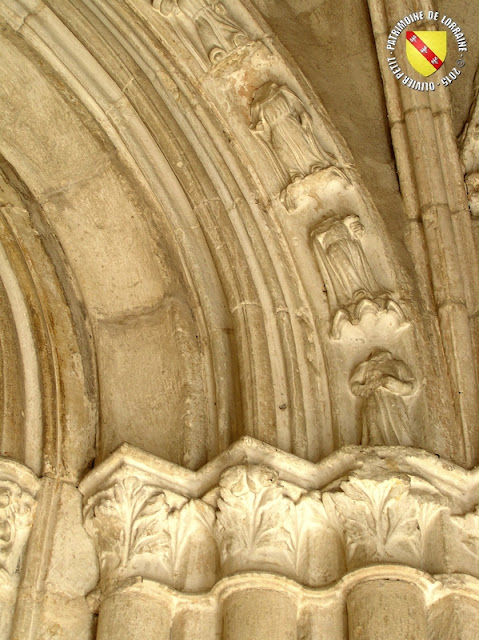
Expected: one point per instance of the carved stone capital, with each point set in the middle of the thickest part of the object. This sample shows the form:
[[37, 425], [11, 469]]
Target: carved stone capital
[[256, 521], [18, 489], [257, 509], [139, 528], [386, 519]]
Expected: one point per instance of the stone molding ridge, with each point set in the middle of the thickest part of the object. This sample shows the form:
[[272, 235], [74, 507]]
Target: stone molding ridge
[[433, 587], [255, 508]]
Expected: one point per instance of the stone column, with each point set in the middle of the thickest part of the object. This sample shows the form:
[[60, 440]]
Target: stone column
[[386, 608], [197, 618], [259, 613], [440, 231], [60, 569], [141, 611], [151, 542], [453, 616]]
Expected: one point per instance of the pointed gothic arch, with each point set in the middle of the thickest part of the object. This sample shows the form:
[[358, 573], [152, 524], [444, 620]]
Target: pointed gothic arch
[[215, 287]]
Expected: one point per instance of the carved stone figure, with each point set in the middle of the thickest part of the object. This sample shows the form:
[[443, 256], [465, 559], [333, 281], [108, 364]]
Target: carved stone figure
[[346, 270], [218, 33], [345, 261], [280, 119], [382, 381]]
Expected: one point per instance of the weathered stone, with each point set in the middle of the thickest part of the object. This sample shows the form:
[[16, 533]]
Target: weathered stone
[[238, 349]]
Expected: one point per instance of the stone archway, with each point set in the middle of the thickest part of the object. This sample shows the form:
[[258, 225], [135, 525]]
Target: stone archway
[[205, 277]]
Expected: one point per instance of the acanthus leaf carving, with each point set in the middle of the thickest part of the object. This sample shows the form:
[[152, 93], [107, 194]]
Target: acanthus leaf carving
[[194, 520], [255, 522], [382, 521], [261, 526], [465, 532], [430, 513], [311, 514], [136, 529], [127, 519], [317, 530]]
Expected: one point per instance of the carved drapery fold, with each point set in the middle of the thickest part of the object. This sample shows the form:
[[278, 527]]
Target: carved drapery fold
[[382, 381], [275, 308], [353, 289], [282, 123]]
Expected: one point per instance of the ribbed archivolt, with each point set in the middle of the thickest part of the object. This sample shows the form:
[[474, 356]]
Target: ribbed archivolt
[[248, 212], [204, 263]]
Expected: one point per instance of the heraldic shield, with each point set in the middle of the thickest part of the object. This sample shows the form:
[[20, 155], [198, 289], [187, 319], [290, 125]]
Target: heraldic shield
[[426, 50]]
